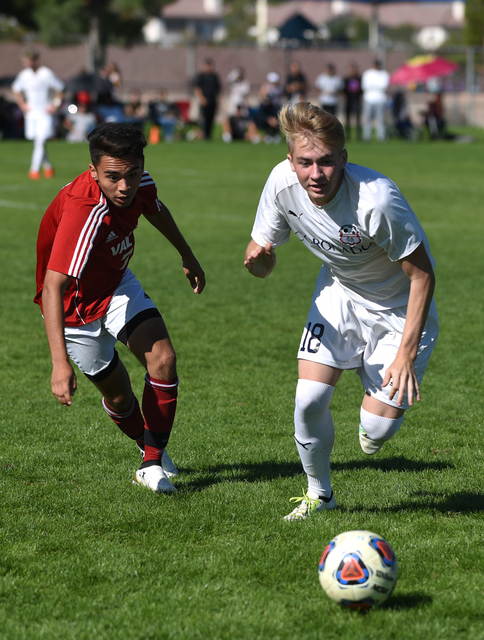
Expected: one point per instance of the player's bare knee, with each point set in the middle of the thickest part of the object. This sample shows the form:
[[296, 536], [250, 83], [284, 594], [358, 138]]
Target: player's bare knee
[[161, 361]]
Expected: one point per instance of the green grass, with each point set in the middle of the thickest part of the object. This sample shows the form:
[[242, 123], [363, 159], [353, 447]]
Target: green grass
[[86, 555]]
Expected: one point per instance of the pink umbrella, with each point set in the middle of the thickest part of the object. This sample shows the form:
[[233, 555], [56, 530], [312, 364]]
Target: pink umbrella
[[422, 68]]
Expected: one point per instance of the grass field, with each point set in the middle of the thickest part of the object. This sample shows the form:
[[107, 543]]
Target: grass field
[[85, 555]]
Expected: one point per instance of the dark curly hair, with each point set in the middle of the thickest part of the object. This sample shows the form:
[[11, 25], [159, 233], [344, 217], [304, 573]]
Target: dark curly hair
[[117, 140]]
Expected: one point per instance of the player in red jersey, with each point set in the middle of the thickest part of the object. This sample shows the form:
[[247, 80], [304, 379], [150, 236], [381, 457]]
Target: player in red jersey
[[90, 299]]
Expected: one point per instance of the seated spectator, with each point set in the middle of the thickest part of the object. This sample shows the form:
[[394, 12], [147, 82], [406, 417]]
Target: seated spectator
[[135, 111], [238, 89], [401, 119], [164, 114], [110, 110], [111, 72], [272, 90], [240, 127], [434, 119], [266, 116], [79, 119]]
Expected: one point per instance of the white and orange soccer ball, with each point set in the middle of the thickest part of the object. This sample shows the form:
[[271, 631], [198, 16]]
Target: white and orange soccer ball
[[358, 569]]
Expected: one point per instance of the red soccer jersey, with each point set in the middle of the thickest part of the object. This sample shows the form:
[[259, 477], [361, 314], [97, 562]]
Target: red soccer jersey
[[84, 236]]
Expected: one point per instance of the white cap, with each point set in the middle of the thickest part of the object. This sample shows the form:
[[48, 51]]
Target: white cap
[[273, 77]]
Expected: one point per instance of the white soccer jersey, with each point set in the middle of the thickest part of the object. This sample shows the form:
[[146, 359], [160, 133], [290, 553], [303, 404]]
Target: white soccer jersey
[[360, 235], [38, 87]]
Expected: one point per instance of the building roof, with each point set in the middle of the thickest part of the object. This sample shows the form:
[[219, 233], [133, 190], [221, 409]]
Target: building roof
[[193, 9], [390, 14]]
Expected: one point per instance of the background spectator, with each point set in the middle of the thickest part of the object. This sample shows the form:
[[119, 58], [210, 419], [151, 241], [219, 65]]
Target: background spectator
[[374, 83], [164, 114], [329, 85], [207, 91], [270, 101], [79, 119], [111, 73], [296, 83], [239, 89], [401, 120], [434, 119], [239, 126], [135, 110], [97, 87], [110, 110], [353, 92]]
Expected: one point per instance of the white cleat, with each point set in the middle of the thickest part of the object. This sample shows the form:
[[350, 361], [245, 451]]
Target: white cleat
[[368, 445], [168, 467], [166, 462], [309, 506], [155, 479]]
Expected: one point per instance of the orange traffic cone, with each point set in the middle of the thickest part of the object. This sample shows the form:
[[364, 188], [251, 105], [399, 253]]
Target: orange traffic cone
[[154, 135]]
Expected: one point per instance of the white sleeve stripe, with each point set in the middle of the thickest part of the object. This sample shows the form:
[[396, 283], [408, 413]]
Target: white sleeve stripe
[[146, 179], [91, 240], [86, 238]]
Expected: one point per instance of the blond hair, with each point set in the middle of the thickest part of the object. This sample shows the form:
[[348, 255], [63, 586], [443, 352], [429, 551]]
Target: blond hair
[[305, 120]]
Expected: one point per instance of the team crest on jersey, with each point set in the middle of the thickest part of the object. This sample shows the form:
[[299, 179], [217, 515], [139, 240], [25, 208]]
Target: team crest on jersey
[[349, 234]]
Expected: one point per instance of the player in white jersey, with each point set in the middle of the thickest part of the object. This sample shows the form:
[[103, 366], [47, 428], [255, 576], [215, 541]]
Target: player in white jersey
[[38, 92], [372, 308]]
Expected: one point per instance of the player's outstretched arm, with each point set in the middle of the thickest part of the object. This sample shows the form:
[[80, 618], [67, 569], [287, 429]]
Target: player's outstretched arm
[[401, 372], [163, 221], [63, 380], [260, 261]]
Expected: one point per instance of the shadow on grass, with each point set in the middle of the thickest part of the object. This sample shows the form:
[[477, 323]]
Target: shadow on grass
[[461, 502], [239, 472], [457, 503], [452, 505], [255, 472], [391, 464], [398, 603], [408, 601]]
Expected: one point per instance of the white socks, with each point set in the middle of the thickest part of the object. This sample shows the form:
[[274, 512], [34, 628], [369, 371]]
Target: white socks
[[377, 428], [39, 155], [314, 434]]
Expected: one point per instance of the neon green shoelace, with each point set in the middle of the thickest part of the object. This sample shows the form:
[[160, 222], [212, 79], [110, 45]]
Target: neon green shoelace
[[310, 502]]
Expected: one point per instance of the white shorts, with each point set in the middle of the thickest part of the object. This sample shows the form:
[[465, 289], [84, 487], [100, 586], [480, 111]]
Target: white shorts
[[345, 335], [39, 125], [91, 346]]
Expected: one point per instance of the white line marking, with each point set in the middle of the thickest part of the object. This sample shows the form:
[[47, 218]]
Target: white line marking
[[21, 205]]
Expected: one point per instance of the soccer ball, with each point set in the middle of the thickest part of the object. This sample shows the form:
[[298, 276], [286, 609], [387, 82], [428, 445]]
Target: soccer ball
[[358, 569]]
